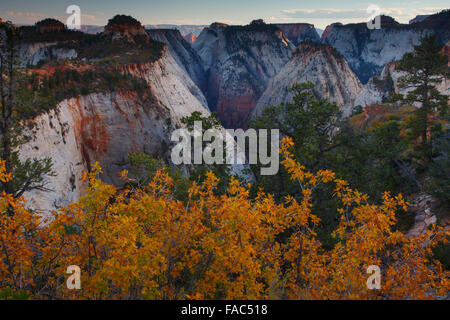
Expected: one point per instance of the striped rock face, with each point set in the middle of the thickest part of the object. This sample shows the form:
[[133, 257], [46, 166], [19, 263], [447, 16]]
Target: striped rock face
[[239, 62]]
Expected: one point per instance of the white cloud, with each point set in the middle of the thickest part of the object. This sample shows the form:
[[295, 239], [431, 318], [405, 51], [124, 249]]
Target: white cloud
[[324, 13], [400, 14]]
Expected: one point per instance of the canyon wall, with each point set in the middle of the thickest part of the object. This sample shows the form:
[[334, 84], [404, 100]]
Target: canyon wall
[[239, 63], [324, 67], [368, 51], [106, 127]]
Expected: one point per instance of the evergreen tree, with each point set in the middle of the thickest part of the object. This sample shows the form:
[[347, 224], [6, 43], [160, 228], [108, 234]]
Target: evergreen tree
[[439, 184], [425, 68], [310, 122], [29, 174]]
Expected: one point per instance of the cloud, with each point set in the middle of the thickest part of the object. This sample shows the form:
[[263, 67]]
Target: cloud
[[87, 18], [13, 15], [323, 13], [21, 17], [361, 14]]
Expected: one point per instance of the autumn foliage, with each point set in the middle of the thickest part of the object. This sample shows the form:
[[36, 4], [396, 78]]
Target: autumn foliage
[[142, 243]]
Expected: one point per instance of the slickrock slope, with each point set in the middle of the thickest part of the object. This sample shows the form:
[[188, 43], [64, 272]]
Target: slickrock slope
[[106, 127], [186, 57], [323, 66], [368, 51], [81, 131], [239, 61], [299, 32], [206, 43]]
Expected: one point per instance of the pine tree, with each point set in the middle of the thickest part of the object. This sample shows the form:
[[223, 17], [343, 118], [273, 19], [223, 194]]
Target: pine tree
[[425, 68], [29, 174]]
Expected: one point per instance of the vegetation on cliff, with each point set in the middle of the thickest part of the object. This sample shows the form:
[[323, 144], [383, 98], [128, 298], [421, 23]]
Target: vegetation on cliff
[[28, 174], [39, 91], [121, 19]]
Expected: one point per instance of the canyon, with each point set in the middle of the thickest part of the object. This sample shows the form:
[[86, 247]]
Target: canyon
[[234, 71]]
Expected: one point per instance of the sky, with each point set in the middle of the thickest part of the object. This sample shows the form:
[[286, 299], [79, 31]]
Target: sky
[[204, 12]]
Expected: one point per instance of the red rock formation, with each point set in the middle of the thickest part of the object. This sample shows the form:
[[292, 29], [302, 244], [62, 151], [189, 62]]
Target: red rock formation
[[237, 109]]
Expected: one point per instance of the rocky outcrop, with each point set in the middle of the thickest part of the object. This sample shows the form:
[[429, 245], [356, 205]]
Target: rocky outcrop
[[299, 32], [427, 211], [324, 67], [381, 87], [30, 54], [368, 51], [186, 57], [240, 60], [53, 135], [190, 38]]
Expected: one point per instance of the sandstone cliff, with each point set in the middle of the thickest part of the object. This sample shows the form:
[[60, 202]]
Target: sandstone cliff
[[381, 87], [368, 51], [186, 57], [299, 32], [324, 67]]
